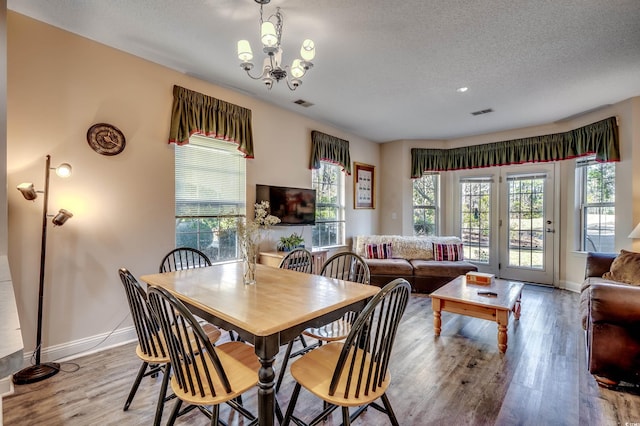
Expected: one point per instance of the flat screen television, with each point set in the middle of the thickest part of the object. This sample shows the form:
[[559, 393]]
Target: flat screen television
[[293, 206]]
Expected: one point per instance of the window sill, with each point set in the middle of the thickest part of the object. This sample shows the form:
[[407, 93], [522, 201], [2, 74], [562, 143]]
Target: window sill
[[336, 247]]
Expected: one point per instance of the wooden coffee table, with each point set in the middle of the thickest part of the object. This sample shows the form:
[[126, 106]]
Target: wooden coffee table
[[461, 298]]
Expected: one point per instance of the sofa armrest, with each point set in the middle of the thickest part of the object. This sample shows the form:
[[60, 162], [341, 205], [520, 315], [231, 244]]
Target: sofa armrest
[[598, 263], [614, 304]]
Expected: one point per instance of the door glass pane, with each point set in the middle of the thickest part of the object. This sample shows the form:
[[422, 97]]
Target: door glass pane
[[476, 211], [526, 221]]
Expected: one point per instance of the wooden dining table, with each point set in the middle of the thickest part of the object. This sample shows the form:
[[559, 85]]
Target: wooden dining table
[[267, 314]]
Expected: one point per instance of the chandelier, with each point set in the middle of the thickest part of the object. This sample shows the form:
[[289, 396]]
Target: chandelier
[[272, 69]]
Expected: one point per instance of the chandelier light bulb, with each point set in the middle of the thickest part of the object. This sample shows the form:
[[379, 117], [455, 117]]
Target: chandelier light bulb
[[244, 51], [268, 34], [297, 70], [266, 64], [308, 50], [277, 56]]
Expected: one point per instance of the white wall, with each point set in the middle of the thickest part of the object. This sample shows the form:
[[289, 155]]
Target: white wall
[[60, 84]]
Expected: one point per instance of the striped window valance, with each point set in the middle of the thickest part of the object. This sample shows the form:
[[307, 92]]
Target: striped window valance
[[329, 148], [195, 113], [600, 138]]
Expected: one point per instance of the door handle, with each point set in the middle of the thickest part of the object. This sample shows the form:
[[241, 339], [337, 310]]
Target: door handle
[[551, 231]]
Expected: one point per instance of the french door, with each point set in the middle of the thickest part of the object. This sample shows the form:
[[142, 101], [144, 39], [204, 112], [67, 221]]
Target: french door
[[507, 221]]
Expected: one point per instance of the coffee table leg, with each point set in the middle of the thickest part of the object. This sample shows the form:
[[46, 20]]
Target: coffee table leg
[[516, 308], [502, 318], [437, 315]]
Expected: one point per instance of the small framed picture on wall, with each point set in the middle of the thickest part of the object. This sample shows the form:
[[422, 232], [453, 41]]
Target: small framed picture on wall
[[364, 186]]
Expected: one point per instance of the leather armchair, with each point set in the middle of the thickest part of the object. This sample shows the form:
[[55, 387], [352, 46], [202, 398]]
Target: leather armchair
[[612, 326]]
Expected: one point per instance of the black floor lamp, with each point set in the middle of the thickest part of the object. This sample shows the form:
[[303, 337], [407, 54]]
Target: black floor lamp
[[40, 371]]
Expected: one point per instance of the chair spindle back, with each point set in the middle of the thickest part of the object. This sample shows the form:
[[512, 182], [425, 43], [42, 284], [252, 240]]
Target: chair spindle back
[[147, 329], [299, 259], [363, 363], [347, 266], [184, 258], [196, 367]]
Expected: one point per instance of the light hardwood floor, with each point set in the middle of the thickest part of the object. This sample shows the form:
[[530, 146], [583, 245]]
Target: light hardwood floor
[[459, 378]]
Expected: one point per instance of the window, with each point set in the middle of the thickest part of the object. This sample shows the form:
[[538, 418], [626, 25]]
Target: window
[[597, 188], [425, 204], [328, 182], [210, 196], [475, 218]]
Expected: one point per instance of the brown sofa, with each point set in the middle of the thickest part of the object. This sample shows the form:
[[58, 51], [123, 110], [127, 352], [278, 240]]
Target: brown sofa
[[413, 260], [610, 311]]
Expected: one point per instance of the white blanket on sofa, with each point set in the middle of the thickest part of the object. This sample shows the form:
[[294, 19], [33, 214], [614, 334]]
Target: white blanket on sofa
[[405, 247]]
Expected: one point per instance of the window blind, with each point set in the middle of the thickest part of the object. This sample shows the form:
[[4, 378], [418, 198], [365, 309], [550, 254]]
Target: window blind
[[209, 178]]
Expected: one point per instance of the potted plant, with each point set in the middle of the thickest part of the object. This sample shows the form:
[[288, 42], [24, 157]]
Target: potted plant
[[289, 243]]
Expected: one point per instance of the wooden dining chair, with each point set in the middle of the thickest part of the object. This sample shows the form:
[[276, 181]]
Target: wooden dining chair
[[151, 348], [344, 266], [299, 259], [203, 374], [184, 258], [354, 373]]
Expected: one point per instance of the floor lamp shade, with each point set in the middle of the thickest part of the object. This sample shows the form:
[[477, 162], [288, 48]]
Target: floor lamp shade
[[40, 371], [636, 232]]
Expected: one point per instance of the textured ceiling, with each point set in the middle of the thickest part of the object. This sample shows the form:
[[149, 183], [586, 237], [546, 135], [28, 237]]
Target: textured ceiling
[[388, 70]]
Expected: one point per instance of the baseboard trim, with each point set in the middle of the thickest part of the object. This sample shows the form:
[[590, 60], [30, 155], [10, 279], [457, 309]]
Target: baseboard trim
[[86, 346], [570, 286]]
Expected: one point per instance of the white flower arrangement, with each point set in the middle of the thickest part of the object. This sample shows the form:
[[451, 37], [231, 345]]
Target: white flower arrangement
[[250, 234]]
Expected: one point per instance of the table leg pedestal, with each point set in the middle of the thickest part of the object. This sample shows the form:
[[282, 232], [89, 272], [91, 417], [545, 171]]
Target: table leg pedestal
[[266, 349], [266, 392]]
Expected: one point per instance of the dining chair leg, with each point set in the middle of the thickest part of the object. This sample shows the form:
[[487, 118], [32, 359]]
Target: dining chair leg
[[292, 404], [174, 413], [136, 383], [166, 371], [390, 413], [304, 342], [215, 415], [279, 415], [285, 361], [346, 421]]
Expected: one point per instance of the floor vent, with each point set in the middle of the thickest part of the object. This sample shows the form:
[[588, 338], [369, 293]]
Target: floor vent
[[484, 111], [303, 103]]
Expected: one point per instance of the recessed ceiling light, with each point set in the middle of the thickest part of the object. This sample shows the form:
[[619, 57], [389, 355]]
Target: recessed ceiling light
[[462, 89]]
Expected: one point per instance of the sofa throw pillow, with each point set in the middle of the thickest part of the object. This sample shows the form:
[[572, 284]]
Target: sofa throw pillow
[[447, 252], [625, 268], [378, 251]]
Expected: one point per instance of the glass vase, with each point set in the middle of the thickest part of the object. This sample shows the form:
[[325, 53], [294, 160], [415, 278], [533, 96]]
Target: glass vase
[[249, 266]]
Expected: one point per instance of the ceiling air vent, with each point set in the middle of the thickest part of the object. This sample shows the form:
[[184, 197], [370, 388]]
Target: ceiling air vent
[[484, 111], [303, 103]]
